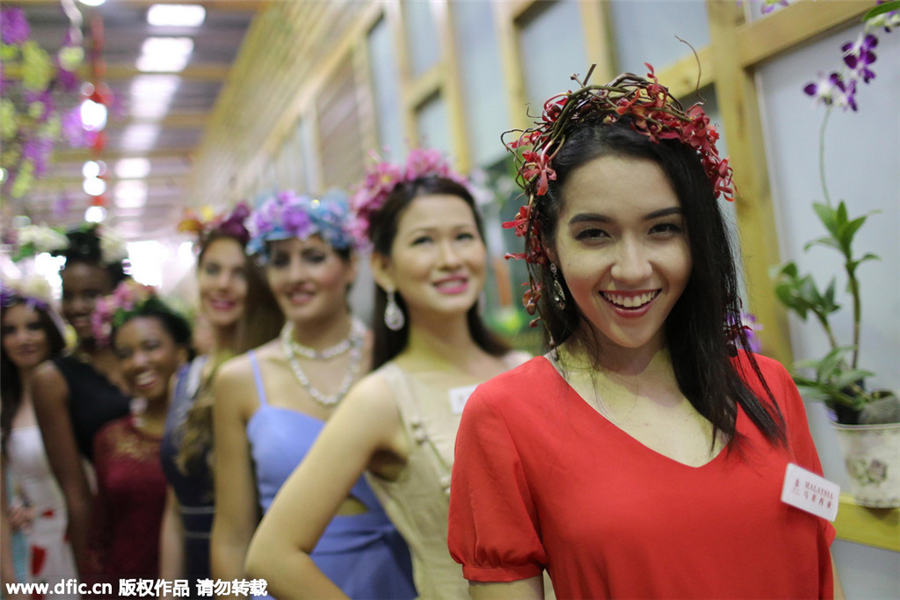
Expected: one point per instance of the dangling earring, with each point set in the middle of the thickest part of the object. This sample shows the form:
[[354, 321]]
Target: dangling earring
[[559, 294], [393, 315]]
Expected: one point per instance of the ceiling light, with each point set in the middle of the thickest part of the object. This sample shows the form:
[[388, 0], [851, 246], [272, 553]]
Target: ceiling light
[[92, 2], [132, 168], [165, 53], [139, 137], [131, 193], [154, 85], [95, 214], [93, 115], [93, 186], [91, 169], [176, 15], [151, 95]]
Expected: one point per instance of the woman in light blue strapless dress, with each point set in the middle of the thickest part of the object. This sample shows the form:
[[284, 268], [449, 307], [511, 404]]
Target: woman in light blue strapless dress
[[271, 403]]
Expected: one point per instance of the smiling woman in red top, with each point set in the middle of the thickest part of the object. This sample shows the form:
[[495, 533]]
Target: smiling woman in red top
[[644, 455]]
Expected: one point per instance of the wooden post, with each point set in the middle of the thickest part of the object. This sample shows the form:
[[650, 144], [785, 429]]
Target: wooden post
[[739, 106]]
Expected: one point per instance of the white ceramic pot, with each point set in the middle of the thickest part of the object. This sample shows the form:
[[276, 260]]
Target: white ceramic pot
[[872, 457]]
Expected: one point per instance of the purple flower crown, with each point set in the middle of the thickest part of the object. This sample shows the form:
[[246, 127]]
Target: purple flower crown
[[229, 224], [290, 215], [384, 176]]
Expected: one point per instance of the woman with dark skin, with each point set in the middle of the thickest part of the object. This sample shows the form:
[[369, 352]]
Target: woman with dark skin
[[151, 342], [77, 394]]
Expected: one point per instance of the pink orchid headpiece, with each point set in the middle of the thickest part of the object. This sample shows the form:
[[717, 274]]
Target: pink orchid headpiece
[[113, 310], [649, 109], [383, 177], [229, 223]]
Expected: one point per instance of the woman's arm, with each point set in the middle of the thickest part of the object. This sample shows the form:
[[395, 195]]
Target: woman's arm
[[838, 588], [50, 395], [7, 567], [523, 589], [366, 422], [235, 487], [171, 540]]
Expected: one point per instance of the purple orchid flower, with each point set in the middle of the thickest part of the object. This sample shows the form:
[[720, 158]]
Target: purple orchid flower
[[858, 56], [824, 89]]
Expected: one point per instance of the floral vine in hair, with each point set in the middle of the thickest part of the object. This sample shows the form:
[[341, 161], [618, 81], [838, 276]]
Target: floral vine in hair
[[113, 310], [383, 177], [645, 104], [230, 223], [290, 215]]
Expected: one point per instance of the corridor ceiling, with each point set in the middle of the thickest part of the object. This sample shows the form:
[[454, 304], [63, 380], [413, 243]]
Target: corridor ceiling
[[159, 116]]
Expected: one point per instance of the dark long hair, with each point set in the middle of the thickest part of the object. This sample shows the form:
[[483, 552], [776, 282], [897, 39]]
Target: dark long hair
[[699, 343], [382, 231], [10, 379]]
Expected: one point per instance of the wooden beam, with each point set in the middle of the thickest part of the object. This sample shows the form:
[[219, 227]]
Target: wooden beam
[[192, 72], [511, 59], [125, 71], [681, 77], [739, 105], [175, 120], [63, 181], [303, 100], [210, 5], [793, 25], [423, 87], [452, 86], [518, 9], [599, 40], [393, 12], [74, 155]]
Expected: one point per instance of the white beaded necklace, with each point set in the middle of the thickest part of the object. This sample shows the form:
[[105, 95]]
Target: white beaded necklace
[[353, 343]]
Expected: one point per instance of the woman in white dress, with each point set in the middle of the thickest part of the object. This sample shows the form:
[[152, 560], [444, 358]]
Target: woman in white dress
[[31, 333]]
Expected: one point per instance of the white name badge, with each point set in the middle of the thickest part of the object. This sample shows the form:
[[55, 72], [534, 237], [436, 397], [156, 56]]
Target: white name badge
[[810, 492], [459, 396]]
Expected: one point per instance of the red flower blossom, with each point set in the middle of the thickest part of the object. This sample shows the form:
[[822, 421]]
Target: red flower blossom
[[538, 165], [520, 222]]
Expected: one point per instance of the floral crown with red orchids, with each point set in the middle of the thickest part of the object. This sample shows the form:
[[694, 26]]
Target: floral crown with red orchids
[[384, 176], [649, 109], [205, 224]]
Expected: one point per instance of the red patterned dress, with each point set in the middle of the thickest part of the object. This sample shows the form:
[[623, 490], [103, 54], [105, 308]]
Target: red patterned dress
[[130, 500]]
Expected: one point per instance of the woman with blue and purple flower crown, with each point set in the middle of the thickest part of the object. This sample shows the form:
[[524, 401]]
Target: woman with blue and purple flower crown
[[271, 403], [398, 425]]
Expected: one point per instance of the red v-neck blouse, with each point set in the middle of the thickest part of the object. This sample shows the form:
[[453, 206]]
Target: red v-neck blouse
[[541, 480]]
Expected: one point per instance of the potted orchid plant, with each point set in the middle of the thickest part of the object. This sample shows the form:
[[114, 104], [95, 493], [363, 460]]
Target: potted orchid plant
[[867, 421]]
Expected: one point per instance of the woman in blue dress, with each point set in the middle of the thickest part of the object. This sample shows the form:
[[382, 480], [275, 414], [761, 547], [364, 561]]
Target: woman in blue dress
[[271, 403], [240, 312]]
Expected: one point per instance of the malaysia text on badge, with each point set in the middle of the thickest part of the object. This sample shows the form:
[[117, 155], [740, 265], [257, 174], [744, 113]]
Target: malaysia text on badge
[[810, 492]]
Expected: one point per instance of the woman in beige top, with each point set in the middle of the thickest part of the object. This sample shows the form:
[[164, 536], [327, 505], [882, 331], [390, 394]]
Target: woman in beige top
[[399, 423]]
